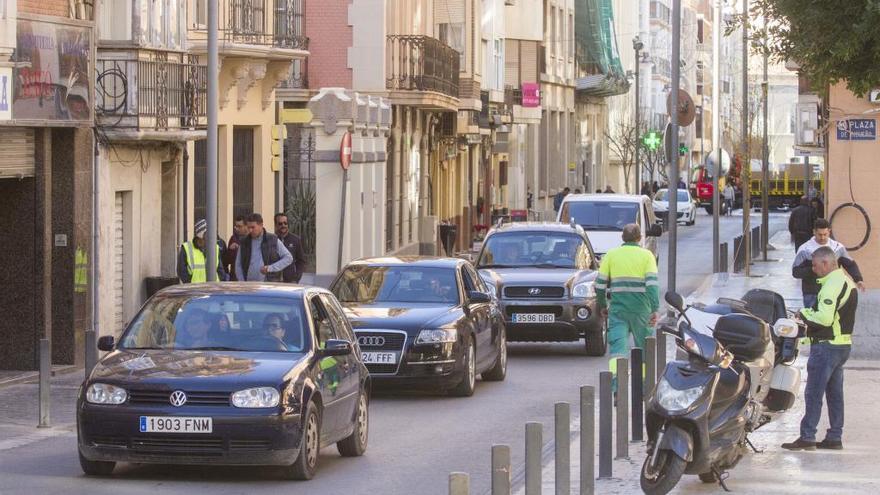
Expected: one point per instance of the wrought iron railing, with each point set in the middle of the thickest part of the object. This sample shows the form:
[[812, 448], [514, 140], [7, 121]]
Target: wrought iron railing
[[298, 78], [422, 63], [278, 23], [512, 96], [149, 89]]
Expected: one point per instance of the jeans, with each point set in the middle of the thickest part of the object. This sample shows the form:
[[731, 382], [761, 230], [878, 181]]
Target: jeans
[[824, 377]]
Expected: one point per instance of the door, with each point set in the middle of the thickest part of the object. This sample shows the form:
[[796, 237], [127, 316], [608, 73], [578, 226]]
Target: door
[[118, 261], [480, 315], [329, 372], [350, 379], [242, 171]]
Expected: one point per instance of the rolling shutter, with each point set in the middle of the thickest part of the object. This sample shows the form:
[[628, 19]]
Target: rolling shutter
[[118, 263], [16, 152]]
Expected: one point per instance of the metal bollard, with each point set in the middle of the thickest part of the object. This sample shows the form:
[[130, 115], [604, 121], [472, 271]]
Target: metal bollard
[[650, 365], [725, 256], [661, 355], [91, 352], [533, 458], [637, 403], [562, 413], [622, 408], [588, 440], [45, 374], [459, 484], [605, 424], [500, 470]]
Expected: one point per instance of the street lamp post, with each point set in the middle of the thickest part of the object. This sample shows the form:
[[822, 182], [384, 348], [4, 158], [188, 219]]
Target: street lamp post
[[716, 135], [746, 172], [211, 172], [637, 47], [673, 166]]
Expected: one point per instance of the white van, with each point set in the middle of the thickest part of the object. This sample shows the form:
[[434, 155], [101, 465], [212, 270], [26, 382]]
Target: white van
[[603, 216]]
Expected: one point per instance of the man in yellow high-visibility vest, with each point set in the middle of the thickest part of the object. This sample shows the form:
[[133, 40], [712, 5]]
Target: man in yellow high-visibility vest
[[81, 271], [192, 259], [628, 291]]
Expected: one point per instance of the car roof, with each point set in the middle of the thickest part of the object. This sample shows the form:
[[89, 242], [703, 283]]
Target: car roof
[[626, 198], [239, 288], [534, 227], [420, 261]]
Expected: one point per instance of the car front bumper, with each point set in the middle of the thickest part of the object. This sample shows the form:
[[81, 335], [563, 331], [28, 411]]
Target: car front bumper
[[112, 433], [567, 325]]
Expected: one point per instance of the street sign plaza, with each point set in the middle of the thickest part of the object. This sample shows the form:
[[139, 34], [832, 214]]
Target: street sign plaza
[[857, 130]]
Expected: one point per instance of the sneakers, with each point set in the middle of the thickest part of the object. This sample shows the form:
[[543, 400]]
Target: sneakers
[[799, 444], [830, 445]]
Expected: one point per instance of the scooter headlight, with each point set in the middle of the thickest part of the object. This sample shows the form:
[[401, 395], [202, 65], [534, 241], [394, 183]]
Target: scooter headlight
[[674, 400]]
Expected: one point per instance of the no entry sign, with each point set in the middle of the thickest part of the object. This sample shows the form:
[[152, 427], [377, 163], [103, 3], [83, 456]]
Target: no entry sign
[[345, 151]]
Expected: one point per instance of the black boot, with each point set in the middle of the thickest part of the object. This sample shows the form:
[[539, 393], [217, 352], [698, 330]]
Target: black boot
[[799, 444], [830, 445]]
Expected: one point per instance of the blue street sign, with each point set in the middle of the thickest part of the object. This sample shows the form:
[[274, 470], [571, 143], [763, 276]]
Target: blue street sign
[[857, 130]]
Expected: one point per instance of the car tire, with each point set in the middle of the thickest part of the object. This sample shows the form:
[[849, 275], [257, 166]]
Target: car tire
[[306, 463], [356, 444], [596, 340], [96, 468], [468, 381], [498, 372]]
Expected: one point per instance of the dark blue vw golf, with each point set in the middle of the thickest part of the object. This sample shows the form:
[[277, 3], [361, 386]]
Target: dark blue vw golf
[[227, 374]]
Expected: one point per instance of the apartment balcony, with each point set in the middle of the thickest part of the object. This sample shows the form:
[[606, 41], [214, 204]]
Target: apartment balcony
[[150, 95], [422, 71], [273, 29]]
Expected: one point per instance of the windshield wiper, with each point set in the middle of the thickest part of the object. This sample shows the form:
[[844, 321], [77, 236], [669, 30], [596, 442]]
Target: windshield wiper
[[547, 265], [209, 348], [602, 227], [494, 266]]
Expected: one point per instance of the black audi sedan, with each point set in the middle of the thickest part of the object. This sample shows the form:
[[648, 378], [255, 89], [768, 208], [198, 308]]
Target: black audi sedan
[[424, 322], [232, 373]]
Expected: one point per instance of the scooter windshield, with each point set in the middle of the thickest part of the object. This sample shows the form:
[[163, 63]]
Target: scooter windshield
[[700, 345]]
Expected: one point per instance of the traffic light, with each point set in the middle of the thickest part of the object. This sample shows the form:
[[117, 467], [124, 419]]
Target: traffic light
[[652, 140]]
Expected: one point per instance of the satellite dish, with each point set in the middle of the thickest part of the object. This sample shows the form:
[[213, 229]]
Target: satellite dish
[[686, 109], [712, 162]]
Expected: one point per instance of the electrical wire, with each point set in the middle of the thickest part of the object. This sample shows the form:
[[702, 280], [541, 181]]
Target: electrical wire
[[852, 204]]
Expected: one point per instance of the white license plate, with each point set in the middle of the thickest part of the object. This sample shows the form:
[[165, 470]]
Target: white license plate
[[534, 318], [175, 424], [379, 357]]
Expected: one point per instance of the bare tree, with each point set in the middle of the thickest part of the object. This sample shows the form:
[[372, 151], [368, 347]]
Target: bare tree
[[623, 141]]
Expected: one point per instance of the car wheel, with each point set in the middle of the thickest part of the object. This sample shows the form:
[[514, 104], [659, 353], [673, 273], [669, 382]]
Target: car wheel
[[596, 340], [96, 468], [356, 444], [499, 371], [306, 463], [469, 380]]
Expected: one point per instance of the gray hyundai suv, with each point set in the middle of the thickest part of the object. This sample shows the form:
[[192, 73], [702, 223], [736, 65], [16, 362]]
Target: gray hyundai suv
[[543, 275]]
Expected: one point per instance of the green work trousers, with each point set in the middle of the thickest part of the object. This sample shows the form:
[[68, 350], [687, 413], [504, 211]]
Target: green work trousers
[[621, 325]]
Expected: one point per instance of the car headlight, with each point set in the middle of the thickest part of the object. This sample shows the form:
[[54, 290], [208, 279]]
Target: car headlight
[[673, 399], [102, 393], [437, 336], [584, 290], [256, 397]]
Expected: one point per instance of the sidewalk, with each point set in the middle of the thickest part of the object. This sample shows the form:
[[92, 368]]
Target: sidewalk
[[851, 471], [19, 411]]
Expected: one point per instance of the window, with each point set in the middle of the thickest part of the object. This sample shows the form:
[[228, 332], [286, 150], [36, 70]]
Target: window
[[453, 35], [700, 31], [398, 284], [161, 25], [600, 215], [499, 65], [535, 249], [114, 21], [321, 322], [337, 316]]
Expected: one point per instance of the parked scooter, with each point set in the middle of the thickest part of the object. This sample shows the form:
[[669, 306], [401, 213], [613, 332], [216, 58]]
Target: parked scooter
[[701, 412]]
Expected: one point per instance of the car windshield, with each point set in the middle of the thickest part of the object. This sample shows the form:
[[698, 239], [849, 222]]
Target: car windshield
[[396, 284], [534, 249], [663, 195], [600, 215], [219, 322]]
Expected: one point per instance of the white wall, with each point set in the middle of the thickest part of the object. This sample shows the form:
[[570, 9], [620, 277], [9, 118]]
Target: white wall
[[366, 56], [524, 20]]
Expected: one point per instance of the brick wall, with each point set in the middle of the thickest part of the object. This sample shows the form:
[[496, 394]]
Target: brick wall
[[58, 8], [330, 36]]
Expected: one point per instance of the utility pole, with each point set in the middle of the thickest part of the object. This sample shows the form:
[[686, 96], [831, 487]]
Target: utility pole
[[211, 203], [637, 47], [746, 171], [673, 165], [716, 134], [765, 166]]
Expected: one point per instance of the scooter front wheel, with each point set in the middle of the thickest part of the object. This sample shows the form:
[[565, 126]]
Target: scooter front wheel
[[660, 477]]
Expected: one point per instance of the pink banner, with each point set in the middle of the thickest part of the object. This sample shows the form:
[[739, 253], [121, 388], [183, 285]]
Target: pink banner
[[531, 95]]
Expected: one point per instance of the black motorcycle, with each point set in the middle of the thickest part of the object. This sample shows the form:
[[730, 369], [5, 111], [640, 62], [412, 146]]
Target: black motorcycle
[[700, 413]]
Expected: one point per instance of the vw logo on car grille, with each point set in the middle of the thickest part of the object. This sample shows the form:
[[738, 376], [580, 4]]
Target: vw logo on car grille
[[371, 341], [535, 291], [178, 398]]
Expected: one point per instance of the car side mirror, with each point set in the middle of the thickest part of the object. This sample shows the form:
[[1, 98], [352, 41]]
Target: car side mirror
[[106, 343], [476, 297], [655, 230], [335, 347]]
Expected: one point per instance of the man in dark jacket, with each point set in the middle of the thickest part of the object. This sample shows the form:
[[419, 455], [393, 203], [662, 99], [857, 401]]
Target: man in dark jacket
[[557, 200], [262, 256], [239, 234], [800, 223], [802, 267], [293, 272]]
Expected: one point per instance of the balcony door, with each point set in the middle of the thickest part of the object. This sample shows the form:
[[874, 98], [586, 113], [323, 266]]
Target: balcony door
[[243, 171]]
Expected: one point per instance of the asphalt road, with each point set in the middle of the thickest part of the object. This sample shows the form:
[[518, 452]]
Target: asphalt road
[[415, 441]]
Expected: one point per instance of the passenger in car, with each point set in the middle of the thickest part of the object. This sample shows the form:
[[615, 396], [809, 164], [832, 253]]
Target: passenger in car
[[195, 330]]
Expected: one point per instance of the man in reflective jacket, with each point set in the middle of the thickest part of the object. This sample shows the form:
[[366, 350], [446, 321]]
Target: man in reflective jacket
[[192, 259], [628, 274], [830, 325]]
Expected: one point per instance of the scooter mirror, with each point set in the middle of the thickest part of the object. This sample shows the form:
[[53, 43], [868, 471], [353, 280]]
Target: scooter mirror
[[675, 300], [785, 328]]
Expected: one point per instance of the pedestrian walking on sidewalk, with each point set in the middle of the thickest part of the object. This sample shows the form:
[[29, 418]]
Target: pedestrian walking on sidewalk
[[557, 200], [294, 271], [800, 223], [829, 327], [262, 256], [729, 195], [239, 234], [628, 292], [192, 260], [802, 267]]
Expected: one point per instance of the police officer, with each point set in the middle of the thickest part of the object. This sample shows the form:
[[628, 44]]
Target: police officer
[[192, 259], [829, 326], [628, 274]]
